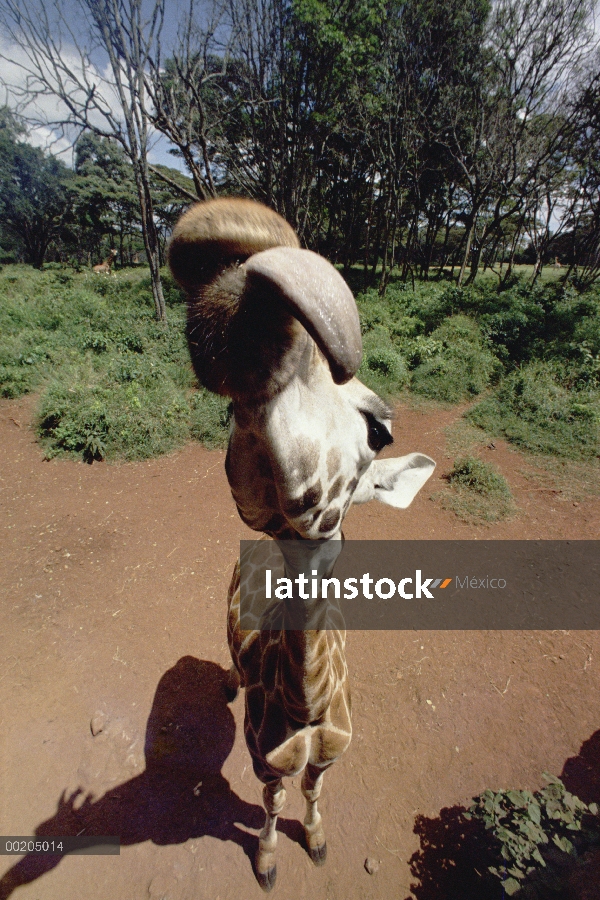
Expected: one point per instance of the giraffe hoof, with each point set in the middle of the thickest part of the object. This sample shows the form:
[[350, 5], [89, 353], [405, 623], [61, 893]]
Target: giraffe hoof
[[318, 854], [267, 879]]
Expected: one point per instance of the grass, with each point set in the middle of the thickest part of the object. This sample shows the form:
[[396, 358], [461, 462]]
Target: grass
[[535, 408], [532, 354], [114, 383], [412, 340], [574, 480], [477, 491], [464, 439], [459, 366], [114, 412]]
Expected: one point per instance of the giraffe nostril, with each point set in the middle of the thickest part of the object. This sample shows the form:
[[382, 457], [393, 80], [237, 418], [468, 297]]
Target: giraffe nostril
[[309, 499], [330, 520]]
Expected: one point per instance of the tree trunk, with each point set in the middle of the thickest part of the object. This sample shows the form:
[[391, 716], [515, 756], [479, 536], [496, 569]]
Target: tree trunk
[[475, 260], [368, 239], [153, 254], [537, 269], [466, 253]]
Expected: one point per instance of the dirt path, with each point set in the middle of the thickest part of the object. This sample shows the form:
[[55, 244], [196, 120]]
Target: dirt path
[[113, 585]]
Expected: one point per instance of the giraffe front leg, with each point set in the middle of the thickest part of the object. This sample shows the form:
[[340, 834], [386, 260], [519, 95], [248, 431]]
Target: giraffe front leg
[[266, 870], [312, 782]]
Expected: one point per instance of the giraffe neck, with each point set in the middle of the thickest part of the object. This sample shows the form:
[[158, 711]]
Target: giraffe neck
[[309, 672], [311, 654]]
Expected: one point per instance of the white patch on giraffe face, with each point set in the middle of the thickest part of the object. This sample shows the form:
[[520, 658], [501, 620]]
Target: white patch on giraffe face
[[296, 461]]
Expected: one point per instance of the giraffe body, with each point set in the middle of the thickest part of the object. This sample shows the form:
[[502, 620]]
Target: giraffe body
[[105, 267], [276, 329]]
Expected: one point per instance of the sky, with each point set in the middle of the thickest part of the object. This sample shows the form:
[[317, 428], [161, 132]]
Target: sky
[[11, 55], [13, 58]]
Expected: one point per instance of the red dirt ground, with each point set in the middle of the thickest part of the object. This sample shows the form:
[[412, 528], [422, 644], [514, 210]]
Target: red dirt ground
[[113, 586]]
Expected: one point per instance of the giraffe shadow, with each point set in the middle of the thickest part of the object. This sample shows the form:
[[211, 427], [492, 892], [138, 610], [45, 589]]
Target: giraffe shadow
[[182, 793], [454, 853]]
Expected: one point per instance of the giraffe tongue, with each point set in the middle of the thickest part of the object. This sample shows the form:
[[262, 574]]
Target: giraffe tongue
[[316, 295]]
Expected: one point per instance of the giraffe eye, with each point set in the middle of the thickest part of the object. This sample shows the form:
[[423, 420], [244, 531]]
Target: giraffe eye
[[378, 435]]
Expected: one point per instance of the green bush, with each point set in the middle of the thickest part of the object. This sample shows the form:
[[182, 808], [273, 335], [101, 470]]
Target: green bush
[[479, 476], [477, 492], [532, 835], [210, 419], [540, 346], [533, 409], [383, 368], [25, 359], [453, 362], [115, 383], [104, 419]]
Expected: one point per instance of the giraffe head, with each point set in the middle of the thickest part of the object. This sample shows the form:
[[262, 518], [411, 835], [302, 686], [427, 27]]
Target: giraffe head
[[276, 328]]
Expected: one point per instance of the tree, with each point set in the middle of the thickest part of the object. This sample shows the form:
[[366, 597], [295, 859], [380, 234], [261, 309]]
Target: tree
[[171, 192], [268, 111], [185, 91], [514, 119], [106, 203], [59, 54], [36, 193], [430, 55], [396, 132], [583, 211]]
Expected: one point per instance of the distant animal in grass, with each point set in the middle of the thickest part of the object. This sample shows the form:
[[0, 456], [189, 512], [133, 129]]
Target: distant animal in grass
[[105, 268]]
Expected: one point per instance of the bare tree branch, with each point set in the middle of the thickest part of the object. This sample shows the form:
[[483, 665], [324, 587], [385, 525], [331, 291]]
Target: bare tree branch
[[112, 107]]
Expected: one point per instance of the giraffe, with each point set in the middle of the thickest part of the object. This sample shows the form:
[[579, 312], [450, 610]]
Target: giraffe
[[275, 328], [104, 268]]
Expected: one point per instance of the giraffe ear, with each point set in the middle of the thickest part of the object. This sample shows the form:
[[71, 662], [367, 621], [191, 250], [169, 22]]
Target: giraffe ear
[[316, 295], [394, 481]]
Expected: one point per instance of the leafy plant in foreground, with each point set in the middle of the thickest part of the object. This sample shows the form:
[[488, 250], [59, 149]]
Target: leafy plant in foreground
[[531, 833]]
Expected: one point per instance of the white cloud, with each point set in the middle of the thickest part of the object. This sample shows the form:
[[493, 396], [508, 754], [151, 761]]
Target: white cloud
[[44, 109], [43, 136]]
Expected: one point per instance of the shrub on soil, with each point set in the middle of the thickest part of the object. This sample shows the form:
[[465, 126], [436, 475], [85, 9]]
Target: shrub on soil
[[537, 838], [479, 476], [383, 369], [540, 345], [79, 338], [101, 417], [115, 382], [454, 362], [536, 409], [477, 491], [210, 418]]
